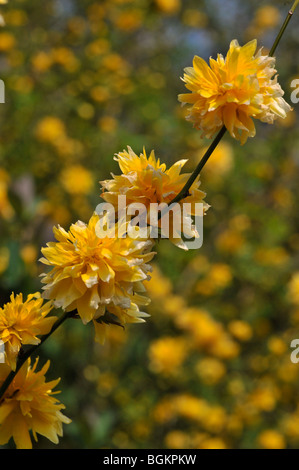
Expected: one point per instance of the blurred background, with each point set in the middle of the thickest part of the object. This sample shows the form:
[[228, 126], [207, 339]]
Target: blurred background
[[211, 367]]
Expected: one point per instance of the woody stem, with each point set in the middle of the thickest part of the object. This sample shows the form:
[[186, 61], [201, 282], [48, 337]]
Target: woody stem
[[185, 190], [23, 357], [283, 28]]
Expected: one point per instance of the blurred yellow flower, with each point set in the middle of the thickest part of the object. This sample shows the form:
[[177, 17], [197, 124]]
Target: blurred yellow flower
[[293, 288], [264, 398], [275, 256], [97, 47], [76, 179], [15, 17], [173, 305], [145, 180], [107, 124], [29, 253], [194, 18], [92, 274], [86, 110], [164, 411], [50, 129], [213, 443], [276, 345], [68, 147], [220, 274], [240, 330], [177, 440], [230, 241], [282, 196], [203, 329], [99, 93], [190, 407], [41, 61], [220, 163], [215, 420], [287, 371], [21, 84], [267, 16], [7, 41], [129, 20], [4, 259], [27, 405], [271, 439], [160, 286], [219, 277], [21, 322], [6, 210], [232, 91], [167, 354], [169, 6], [224, 348], [66, 58], [210, 370], [290, 425]]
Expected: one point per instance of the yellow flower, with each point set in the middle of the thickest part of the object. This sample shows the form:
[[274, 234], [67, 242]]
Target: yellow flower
[[271, 439], [210, 370], [6, 210], [203, 329], [28, 405], [41, 61], [7, 41], [15, 17], [169, 7], [50, 129], [213, 443], [275, 256], [147, 181], [4, 259], [66, 58], [264, 397], [293, 288], [92, 274], [21, 322], [191, 407], [167, 354], [76, 180], [177, 440], [232, 91], [267, 16], [28, 253], [276, 345], [129, 20], [240, 330]]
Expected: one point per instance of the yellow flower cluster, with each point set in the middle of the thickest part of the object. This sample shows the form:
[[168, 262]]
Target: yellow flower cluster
[[231, 91], [147, 181], [93, 275], [21, 322], [27, 405]]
